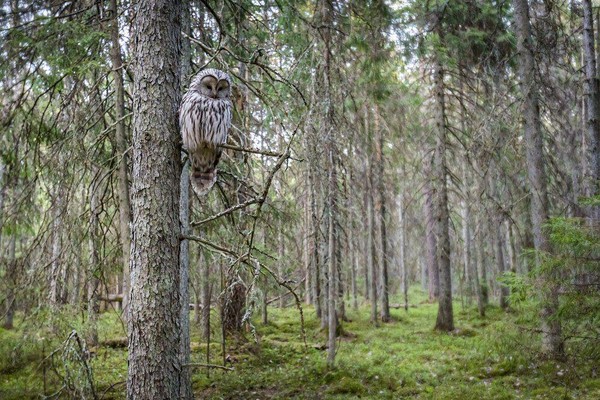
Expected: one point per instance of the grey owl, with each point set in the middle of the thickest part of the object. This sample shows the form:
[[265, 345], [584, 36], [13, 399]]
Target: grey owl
[[204, 120]]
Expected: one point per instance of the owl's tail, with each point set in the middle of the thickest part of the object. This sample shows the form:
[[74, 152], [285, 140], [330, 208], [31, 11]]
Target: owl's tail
[[204, 162]]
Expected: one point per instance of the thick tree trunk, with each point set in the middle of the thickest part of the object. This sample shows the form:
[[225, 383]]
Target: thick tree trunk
[[445, 319], [154, 326], [552, 344], [121, 149]]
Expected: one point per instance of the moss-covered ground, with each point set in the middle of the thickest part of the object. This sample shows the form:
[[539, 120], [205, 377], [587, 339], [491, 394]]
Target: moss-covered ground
[[484, 358]]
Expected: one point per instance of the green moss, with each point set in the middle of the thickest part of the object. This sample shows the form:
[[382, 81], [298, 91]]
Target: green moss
[[487, 358]]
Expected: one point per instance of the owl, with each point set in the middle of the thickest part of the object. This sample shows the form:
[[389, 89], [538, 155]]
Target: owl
[[204, 120]]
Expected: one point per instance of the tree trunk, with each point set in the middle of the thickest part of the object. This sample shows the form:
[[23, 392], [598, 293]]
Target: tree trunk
[[121, 149], [371, 255], [11, 272], [433, 271], [470, 266], [480, 260], [186, 392], [380, 211], [206, 295], [445, 319], [154, 327], [93, 288], [56, 264], [402, 249], [500, 261], [332, 259], [552, 344], [592, 171]]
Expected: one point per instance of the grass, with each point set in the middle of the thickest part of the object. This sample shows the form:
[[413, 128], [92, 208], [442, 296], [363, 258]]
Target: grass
[[491, 358]]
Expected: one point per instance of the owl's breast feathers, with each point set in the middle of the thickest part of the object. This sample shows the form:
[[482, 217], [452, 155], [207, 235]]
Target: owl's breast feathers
[[204, 120]]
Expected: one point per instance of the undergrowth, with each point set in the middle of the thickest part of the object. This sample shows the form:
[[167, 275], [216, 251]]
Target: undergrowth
[[493, 358]]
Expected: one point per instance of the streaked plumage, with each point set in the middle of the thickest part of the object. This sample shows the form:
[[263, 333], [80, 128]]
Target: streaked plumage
[[204, 120]]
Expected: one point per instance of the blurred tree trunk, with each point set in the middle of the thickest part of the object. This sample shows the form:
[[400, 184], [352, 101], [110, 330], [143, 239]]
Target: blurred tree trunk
[[121, 150], [154, 327], [592, 172], [10, 278], [552, 344], [93, 287]]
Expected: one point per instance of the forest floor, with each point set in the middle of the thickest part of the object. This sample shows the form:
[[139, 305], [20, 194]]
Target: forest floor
[[484, 358]]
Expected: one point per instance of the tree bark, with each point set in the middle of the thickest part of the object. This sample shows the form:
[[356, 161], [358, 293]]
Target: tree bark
[[402, 249], [186, 392], [154, 326], [93, 294], [592, 172], [445, 319], [380, 211], [371, 255], [552, 344], [433, 272]]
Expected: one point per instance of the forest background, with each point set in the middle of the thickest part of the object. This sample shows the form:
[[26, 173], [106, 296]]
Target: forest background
[[397, 171]]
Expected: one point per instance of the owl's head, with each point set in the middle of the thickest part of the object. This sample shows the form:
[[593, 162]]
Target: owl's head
[[212, 83]]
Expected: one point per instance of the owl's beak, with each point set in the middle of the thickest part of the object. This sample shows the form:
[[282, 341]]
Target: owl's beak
[[214, 93]]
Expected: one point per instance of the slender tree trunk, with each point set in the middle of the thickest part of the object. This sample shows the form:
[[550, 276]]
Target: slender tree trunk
[[371, 255], [332, 260], [470, 265], [380, 211], [186, 392], [592, 179], [431, 239], [93, 288], [308, 284], [500, 261], [552, 344], [154, 325], [480, 260], [402, 249], [206, 295], [353, 267], [445, 319], [11, 272], [56, 264], [121, 148], [280, 269], [314, 240]]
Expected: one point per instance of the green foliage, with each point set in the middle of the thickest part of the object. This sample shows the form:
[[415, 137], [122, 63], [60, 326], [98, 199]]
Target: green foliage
[[484, 358]]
